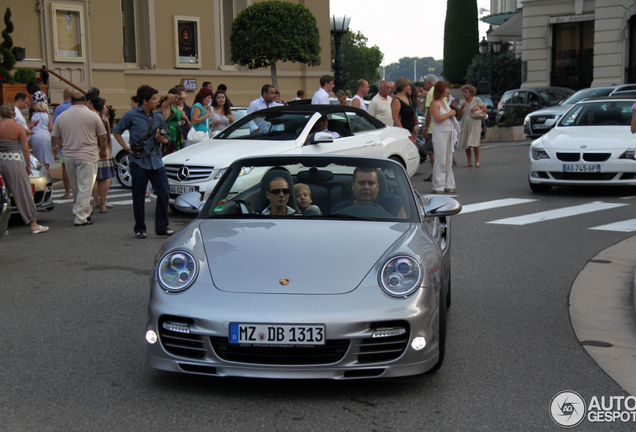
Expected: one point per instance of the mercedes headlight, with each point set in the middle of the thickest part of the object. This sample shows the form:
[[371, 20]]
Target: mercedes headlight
[[401, 276], [244, 171], [177, 271], [539, 153], [220, 173]]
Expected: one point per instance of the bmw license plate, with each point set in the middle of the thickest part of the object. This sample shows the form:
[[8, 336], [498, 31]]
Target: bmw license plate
[[581, 168], [277, 334], [178, 190]]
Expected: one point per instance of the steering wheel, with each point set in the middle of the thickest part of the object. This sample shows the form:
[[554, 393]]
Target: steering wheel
[[366, 209]]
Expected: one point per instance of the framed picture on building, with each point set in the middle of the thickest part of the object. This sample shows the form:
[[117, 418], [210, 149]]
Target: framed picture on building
[[68, 33], [186, 38]]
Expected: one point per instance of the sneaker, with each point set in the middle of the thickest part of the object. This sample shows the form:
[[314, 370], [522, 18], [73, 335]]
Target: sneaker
[[167, 232], [89, 221], [140, 235]]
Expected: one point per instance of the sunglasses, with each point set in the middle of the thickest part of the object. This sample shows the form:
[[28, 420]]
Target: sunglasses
[[285, 191]]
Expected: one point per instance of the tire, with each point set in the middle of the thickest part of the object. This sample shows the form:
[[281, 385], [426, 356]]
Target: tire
[[443, 322], [540, 187], [123, 170]]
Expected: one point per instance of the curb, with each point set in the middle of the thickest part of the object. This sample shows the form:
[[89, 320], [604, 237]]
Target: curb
[[603, 314]]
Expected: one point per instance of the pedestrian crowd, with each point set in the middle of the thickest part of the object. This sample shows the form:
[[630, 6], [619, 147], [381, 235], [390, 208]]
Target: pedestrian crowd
[[79, 133]]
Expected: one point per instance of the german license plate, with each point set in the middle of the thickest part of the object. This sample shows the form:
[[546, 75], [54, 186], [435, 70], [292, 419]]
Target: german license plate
[[581, 168], [277, 334], [178, 190]]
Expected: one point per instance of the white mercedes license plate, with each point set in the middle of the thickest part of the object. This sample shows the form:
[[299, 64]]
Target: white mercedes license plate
[[178, 190], [581, 168], [277, 334]]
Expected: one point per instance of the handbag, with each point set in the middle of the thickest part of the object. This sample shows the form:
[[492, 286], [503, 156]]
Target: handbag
[[195, 136], [479, 115]]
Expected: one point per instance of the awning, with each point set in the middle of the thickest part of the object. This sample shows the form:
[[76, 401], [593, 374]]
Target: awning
[[510, 31], [498, 19]]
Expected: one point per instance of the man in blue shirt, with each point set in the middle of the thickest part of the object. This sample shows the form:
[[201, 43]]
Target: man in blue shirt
[[149, 128], [67, 95]]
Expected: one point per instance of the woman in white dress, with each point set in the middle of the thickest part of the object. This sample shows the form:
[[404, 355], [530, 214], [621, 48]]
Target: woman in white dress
[[470, 136], [222, 115], [443, 178], [41, 138]]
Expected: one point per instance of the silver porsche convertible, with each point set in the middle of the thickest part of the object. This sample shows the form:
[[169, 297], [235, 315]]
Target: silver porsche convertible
[[305, 267]]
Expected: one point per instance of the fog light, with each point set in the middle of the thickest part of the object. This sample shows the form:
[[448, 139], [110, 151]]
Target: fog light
[[418, 343], [176, 327], [388, 332], [151, 337]]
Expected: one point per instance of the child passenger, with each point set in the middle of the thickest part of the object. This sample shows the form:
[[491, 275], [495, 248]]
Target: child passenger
[[303, 197]]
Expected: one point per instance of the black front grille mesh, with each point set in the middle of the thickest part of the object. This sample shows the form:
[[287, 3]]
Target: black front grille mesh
[[596, 157], [332, 352], [382, 349], [568, 157]]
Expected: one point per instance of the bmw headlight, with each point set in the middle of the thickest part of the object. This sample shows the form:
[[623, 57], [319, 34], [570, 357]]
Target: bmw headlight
[[539, 153], [401, 276], [177, 270], [628, 154]]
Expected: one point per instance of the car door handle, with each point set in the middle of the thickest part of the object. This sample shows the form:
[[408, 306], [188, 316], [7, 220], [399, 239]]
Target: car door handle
[[370, 143]]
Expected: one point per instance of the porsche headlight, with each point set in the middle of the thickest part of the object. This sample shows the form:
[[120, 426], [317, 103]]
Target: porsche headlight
[[177, 271], [539, 153], [401, 276]]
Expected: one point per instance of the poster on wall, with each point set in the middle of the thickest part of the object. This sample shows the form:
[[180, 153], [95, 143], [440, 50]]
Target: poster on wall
[[67, 32], [187, 42]]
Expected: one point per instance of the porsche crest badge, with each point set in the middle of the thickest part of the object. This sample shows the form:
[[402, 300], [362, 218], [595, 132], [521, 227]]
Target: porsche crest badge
[[283, 282]]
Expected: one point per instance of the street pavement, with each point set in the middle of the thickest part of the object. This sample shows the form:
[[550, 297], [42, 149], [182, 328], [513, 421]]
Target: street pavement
[[602, 306]]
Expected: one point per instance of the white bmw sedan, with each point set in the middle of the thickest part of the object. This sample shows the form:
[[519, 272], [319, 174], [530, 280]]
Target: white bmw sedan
[[591, 145], [294, 130]]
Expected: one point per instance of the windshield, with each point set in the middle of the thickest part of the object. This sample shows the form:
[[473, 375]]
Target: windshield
[[602, 113], [280, 126], [586, 94], [555, 96], [313, 187]]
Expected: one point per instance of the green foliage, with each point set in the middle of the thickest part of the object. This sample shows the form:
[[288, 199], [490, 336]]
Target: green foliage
[[25, 75], [404, 68], [358, 60], [8, 59], [506, 72], [275, 31], [461, 38], [507, 117]]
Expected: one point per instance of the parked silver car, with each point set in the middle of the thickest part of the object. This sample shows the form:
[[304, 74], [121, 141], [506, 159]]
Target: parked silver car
[[534, 125], [356, 287]]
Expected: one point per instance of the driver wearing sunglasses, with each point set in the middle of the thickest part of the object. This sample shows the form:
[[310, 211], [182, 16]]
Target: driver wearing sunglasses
[[278, 195]]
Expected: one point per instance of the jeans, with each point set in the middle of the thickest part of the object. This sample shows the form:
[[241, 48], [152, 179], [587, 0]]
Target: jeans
[[159, 181]]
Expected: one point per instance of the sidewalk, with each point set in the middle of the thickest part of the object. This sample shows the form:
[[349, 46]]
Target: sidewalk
[[602, 310]]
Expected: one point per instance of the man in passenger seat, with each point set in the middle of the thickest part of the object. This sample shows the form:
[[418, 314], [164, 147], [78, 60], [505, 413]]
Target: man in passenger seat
[[366, 188]]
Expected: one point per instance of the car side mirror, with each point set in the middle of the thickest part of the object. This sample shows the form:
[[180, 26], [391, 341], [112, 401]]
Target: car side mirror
[[441, 206], [322, 137], [188, 202], [550, 122], [534, 104]]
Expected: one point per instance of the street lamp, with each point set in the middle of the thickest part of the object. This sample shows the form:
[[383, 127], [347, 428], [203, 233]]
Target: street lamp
[[486, 47], [339, 26]]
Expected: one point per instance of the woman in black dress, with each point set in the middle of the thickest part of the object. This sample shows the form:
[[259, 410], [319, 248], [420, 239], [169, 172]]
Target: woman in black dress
[[401, 108]]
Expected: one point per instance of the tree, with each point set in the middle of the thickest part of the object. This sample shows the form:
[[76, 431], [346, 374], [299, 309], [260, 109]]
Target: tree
[[275, 31], [358, 60], [404, 68], [506, 71], [8, 59], [461, 38]]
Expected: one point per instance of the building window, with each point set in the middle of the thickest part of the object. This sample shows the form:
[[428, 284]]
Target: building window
[[186, 39], [631, 68], [128, 29], [68, 33], [572, 55], [229, 10]]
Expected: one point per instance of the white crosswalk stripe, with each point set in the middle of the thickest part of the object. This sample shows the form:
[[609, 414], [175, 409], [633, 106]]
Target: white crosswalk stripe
[[622, 226], [557, 214], [487, 205]]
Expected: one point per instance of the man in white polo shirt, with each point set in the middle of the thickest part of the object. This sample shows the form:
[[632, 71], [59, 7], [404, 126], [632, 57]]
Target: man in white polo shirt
[[380, 106], [321, 97]]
